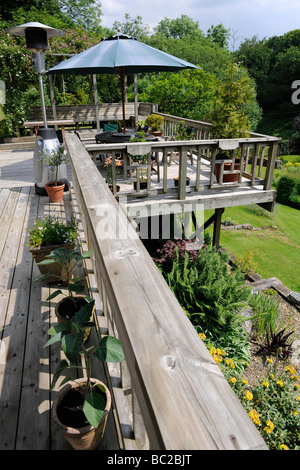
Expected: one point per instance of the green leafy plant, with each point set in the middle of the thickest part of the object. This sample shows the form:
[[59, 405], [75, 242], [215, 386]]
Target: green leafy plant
[[52, 159], [246, 263], [68, 260], [155, 122], [71, 336], [265, 313], [212, 297], [51, 230], [228, 117]]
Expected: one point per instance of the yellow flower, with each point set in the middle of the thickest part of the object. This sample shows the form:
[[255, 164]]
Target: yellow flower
[[284, 447], [270, 424], [232, 380], [271, 376], [248, 395], [270, 361], [254, 416], [230, 363], [202, 336], [279, 383], [290, 369], [295, 412], [267, 430], [245, 381], [265, 384], [298, 398]]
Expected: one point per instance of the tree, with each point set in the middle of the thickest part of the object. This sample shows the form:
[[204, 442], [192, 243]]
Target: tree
[[133, 27], [229, 117], [219, 35], [189, 93], [179, 28], [84, 13]]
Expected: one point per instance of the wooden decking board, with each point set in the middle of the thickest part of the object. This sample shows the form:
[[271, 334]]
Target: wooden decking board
[[25, 316]]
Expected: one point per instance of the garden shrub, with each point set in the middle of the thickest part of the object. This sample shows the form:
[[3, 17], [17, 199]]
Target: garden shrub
[[288, 188], [212, 296]]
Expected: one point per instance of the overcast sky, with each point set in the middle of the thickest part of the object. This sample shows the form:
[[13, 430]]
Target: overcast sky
[[246, 18]]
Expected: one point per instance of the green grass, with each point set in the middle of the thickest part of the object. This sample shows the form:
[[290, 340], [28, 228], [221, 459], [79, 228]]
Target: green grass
[[276, 251]]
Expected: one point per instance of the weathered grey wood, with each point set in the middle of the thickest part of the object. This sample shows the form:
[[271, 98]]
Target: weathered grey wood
[[177, 383]]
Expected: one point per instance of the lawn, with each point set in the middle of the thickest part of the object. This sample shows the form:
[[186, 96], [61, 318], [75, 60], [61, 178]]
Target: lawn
[[276, 247]]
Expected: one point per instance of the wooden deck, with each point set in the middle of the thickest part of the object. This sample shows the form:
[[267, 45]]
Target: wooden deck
[[25, 316]]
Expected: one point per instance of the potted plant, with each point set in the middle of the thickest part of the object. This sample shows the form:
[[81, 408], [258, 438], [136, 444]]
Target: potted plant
[[73, 301], [155, 122], [141, 160], [52, 159], [108, 166], [143, 181], [50, 233], [141, 126], [81, 407], [229, 118], [176, 181]]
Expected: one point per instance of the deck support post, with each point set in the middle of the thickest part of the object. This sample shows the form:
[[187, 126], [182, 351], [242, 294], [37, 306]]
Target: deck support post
[[217, 226]]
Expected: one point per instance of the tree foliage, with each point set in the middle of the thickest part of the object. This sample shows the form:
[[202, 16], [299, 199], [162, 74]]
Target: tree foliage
[[274, 64]]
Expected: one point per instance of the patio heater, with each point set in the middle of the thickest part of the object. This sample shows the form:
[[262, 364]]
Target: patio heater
[[36, 35]]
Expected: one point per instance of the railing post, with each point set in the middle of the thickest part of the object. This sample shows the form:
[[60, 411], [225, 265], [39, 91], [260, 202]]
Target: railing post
[[273, 150], [182, 173]]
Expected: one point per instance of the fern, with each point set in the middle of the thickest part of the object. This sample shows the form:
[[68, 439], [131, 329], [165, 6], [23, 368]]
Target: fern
[[211, 296]]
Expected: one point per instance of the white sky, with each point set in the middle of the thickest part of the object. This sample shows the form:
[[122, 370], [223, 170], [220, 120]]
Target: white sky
[[246, 18]]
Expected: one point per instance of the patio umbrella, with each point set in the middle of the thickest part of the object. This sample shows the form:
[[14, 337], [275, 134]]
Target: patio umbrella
[[120, 54]]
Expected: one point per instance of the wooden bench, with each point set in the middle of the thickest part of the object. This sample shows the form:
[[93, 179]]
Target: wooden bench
[[37, 124], [76, 115], [81, 114]]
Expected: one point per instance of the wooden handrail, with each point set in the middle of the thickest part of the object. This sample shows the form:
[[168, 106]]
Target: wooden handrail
[[185, 401], [254, 147]]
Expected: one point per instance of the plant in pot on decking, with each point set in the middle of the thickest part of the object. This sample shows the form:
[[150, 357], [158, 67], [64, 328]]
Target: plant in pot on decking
[[52, 159], [50, 233], [109, 175], [81, 407], [73, 301], [155, 122], [229, 116], [141, 160]]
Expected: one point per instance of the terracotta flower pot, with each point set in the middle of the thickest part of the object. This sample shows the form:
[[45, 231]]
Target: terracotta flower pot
[[55, 193], [84, 437], [227, 178], [64, 310], [40, 253]]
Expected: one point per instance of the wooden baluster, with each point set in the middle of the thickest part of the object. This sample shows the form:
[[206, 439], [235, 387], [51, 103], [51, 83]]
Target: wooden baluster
[[182, 172], [139, 430], [254, 163], [198, 169], [165, 170]]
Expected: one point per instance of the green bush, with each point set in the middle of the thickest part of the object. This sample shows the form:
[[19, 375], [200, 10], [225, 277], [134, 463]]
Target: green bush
[[288, 188], [212, 296]]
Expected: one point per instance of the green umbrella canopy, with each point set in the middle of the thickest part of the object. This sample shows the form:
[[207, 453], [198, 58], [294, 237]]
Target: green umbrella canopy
[[120, 52]]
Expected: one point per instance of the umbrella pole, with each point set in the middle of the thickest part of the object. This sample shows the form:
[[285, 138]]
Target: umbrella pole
[[123, 99]]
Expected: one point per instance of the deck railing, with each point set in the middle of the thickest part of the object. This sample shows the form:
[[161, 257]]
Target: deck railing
[[252, 155], [180, 399]]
